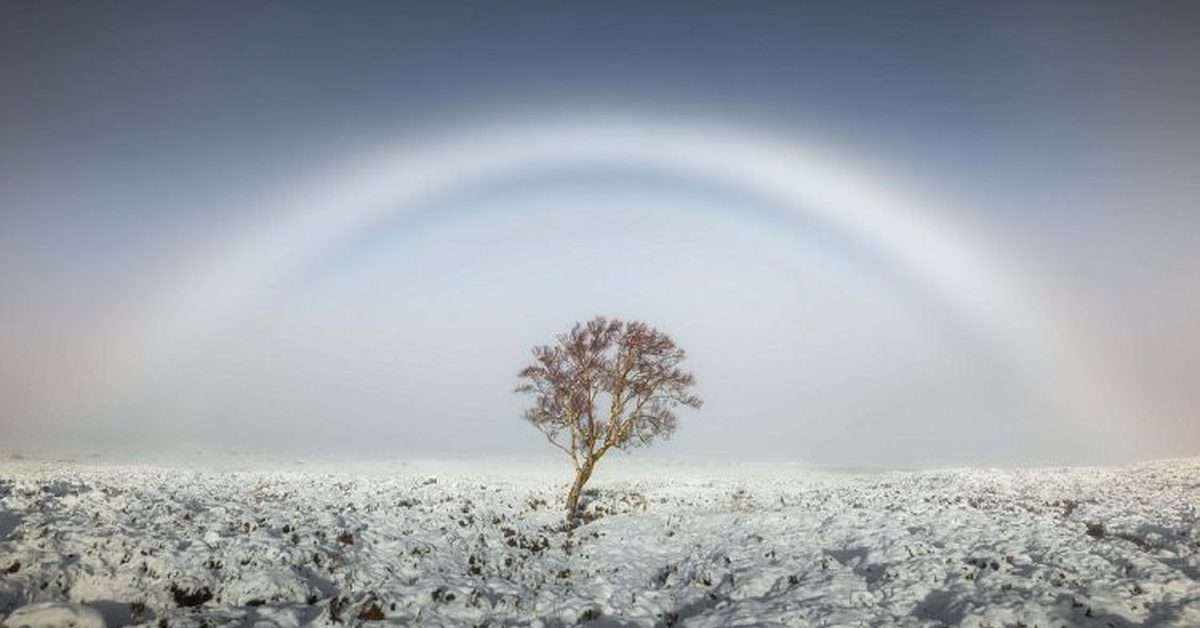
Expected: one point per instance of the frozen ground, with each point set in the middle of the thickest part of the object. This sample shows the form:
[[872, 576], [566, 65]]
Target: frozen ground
[[428, 544]]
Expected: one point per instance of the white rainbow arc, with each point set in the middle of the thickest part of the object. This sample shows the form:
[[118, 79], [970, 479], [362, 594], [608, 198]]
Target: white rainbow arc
[[797, 177]]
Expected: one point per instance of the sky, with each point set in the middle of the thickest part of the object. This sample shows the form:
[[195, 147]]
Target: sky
[[886, 233]]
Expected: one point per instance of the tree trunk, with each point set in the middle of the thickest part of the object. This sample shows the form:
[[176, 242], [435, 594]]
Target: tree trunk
[[581, 477]]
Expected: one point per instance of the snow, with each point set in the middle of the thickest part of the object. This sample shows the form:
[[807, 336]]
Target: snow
[[460, 544], [54, 615]]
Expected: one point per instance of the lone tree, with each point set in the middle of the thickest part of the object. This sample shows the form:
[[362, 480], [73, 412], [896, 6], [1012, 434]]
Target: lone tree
[[606, 383]]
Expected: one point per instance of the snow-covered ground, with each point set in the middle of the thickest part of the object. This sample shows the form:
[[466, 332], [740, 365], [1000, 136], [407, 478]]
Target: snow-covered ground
[[455, 544]]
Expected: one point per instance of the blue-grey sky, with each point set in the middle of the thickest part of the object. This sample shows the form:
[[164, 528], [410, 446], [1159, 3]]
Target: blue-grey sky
[[148, 148]]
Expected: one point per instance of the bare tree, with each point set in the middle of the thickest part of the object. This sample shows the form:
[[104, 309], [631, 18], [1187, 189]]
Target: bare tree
[[605, 384]]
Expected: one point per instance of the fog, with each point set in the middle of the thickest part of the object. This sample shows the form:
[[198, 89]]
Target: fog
[[941, 235]]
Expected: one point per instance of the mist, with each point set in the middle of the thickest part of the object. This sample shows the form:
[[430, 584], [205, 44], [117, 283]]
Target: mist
[[274, 229]]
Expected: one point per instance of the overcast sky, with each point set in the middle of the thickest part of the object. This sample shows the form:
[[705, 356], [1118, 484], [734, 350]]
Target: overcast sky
[[146, 146]]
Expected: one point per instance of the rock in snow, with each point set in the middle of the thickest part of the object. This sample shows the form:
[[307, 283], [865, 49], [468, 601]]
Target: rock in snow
[[659, 545]]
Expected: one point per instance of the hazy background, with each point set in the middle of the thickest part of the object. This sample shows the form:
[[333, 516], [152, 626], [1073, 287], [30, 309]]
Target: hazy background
[[137, 140]]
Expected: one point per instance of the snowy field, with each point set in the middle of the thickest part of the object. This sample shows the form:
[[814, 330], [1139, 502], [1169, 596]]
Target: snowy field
[[450, 544]]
